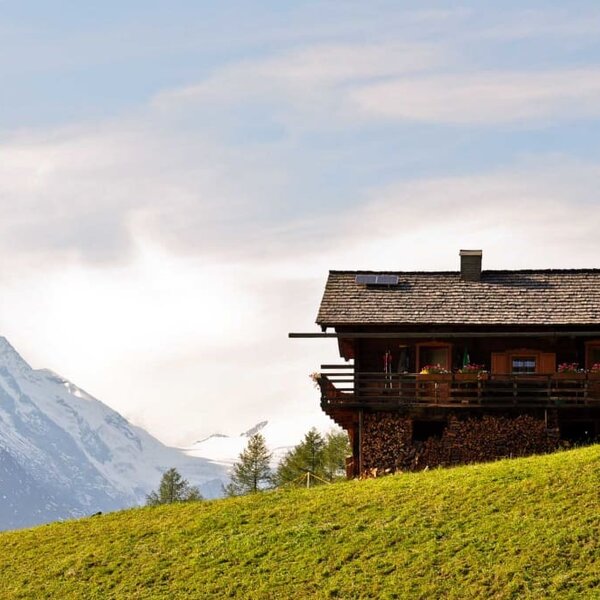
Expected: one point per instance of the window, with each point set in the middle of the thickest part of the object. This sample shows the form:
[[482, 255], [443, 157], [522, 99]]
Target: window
[[523, 361], [523, 364], [592, 355], [433, 354]]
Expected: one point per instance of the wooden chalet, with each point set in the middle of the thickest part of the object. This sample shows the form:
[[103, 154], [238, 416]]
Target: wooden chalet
[[453, 367]]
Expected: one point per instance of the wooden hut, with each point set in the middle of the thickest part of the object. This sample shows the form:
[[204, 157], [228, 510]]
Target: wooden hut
[[454, 367]]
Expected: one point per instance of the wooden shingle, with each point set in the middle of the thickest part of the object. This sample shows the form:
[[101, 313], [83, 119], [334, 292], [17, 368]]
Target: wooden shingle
[[531, 297]]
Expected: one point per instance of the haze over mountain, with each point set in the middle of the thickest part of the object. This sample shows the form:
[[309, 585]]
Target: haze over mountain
[[63, 453]]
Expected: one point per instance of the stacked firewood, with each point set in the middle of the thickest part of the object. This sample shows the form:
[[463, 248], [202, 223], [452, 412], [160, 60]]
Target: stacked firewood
[[485, 439], [387, 444]]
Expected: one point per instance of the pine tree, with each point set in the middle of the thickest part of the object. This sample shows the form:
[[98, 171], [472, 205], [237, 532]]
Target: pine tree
[[173, 488], [337, 448], [321, 459], [306, 457], [252, 472]]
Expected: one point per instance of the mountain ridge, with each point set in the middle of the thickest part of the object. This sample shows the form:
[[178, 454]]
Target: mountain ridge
[[64, 453]]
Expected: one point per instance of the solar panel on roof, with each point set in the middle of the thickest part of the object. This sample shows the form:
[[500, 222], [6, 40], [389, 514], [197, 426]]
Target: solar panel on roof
[[366, 279], [387, 279], [377, 279]]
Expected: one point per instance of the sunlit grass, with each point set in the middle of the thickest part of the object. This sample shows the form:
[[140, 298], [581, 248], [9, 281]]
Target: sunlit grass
[[527, 528]]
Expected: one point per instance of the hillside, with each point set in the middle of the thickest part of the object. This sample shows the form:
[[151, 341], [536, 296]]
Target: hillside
[[527, 528]]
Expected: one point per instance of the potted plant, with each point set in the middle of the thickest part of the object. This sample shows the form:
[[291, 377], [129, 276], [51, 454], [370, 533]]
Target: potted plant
[[435, 373], [595, 371], [471, 372], [569, 371]]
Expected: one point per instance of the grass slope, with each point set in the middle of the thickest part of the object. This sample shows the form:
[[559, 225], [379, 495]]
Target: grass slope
[[527, 528]]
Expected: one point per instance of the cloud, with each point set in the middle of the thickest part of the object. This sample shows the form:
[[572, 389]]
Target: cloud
[[320, 65], [548, 23], [335, 86], [176, 174], [485, 98], [83, 193], [541, 212], [306, 86]]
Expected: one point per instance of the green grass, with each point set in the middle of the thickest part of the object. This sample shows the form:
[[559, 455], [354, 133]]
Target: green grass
[[527, 528]]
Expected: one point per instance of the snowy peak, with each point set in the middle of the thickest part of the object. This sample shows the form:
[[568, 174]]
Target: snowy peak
[[225, 450], [10, 359], [78, 454], [254, 430]]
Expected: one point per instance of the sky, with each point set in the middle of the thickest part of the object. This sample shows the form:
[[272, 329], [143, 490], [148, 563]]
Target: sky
[[177, 178]]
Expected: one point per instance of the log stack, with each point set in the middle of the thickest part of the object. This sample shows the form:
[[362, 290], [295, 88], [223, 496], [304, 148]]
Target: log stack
[[388, 446], [485, 439], [386, 442]]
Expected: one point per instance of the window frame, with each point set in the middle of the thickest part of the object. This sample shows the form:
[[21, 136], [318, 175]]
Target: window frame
[[588, 347], [438, 345]]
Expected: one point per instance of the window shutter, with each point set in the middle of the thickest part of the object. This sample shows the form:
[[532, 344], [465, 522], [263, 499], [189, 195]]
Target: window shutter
[[547, 362], [500, 362]]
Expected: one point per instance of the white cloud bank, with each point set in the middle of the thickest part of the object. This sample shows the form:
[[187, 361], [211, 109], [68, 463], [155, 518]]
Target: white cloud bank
[[329, 86]]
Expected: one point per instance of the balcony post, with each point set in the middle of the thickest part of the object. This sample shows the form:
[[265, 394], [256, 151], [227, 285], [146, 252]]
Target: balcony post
[[360, 441]]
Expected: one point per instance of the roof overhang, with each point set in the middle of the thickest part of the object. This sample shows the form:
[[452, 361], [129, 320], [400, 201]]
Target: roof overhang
[[445, 334]]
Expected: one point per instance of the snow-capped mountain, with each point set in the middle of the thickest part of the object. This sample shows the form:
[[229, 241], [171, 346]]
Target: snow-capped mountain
[[63, 453], [225, 449]]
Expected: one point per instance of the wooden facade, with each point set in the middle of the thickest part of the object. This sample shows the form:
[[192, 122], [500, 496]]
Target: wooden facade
[[520, 327]]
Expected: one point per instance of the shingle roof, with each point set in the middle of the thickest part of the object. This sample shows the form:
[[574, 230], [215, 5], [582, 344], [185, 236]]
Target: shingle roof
[[541, 297]]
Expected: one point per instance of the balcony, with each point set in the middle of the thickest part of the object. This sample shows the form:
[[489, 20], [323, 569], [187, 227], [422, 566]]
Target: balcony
[[345, 389]]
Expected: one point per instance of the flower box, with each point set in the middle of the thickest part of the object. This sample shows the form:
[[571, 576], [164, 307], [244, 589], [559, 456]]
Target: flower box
[[460, 377], [579, 376], [435, 377]]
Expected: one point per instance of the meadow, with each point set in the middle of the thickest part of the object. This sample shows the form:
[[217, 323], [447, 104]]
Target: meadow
[[523, 528]]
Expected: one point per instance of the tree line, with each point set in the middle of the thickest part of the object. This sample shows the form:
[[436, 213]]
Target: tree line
[[317, 460]]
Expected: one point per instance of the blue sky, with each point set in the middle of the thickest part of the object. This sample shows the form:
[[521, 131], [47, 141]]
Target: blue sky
[[176, 178]]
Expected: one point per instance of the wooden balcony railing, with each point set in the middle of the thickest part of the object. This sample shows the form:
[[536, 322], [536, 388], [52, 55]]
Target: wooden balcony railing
[[347, 389]]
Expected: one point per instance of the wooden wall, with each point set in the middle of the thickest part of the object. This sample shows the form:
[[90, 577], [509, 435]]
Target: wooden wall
[[369, 353]]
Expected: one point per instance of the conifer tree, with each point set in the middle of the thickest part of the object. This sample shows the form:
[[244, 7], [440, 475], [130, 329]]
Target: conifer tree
[[173, 488], [252, 472], [322, 458], [337, 448], [306, 457]]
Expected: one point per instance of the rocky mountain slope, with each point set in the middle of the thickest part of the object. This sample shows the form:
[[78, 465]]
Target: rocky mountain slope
[[63, 453]]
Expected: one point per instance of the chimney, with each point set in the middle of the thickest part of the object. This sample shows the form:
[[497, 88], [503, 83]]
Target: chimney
[[470, 265]]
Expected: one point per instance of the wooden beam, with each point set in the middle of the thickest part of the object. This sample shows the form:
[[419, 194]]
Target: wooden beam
[[446, 334]]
